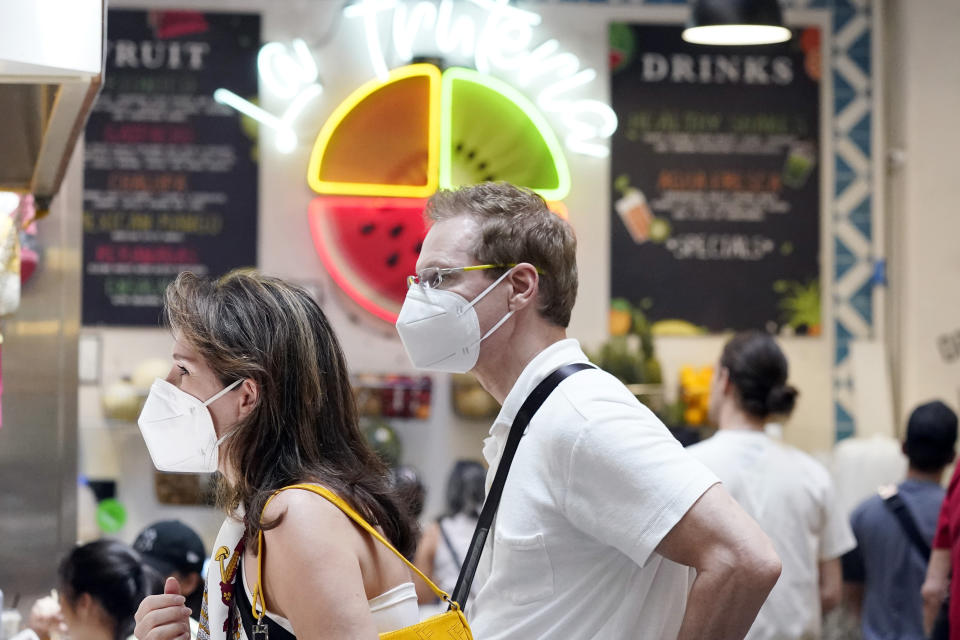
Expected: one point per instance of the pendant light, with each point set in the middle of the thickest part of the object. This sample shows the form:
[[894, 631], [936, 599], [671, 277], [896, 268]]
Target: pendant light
[[736, 22]]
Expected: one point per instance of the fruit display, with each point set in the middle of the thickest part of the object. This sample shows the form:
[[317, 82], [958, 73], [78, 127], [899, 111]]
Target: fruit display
[[149, 370], [183, 488], [122, 401], [629, 353], [676, 328], [383, 439], [470, 400], [393, 396], [695, 394]]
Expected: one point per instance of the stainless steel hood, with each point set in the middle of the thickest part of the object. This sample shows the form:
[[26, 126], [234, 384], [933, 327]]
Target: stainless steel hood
[[51, 68]]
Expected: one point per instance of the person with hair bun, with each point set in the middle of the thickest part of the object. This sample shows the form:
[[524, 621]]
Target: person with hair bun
[[789, 493], [101, 584]]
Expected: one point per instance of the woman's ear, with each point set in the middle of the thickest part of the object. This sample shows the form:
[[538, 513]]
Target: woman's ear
[[723, 380], [525, 282], [83, 607], [249, 397]]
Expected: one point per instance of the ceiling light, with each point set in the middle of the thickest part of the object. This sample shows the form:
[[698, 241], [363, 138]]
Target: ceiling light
[[736, 22]]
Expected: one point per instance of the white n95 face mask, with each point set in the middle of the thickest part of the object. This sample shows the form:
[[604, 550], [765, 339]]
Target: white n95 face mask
[[440, 330], [178, 429]]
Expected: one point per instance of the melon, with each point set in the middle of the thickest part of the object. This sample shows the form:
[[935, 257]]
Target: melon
[[369, 246]]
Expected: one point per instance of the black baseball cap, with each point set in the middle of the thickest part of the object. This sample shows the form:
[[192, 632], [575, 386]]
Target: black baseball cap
[[170, 546]]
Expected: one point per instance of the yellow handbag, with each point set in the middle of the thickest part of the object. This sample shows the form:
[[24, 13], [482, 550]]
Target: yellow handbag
[[450, 625]]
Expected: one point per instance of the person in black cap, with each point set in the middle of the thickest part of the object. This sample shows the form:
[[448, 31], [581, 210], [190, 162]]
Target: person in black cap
[[895, 529], [174, 549]]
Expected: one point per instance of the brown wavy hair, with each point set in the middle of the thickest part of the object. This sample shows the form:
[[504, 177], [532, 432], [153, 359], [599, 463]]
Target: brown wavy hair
[[304, 426]]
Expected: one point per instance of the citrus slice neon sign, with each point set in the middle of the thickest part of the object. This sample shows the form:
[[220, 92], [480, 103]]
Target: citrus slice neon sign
[[351, 147], [347, 107]]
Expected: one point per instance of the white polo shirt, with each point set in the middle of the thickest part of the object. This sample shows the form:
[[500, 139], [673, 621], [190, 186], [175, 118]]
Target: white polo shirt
[[791, 496], [596, 484]]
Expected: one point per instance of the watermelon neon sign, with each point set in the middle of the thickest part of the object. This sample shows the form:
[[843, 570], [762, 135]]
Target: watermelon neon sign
[[391, 144], [501, 41]]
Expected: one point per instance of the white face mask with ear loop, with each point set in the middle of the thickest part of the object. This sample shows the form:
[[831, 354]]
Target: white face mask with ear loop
[[178, 429], [440, 330]]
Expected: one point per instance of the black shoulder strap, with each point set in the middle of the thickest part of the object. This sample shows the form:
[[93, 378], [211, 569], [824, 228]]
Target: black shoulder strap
[[899, 509], [517, 429]]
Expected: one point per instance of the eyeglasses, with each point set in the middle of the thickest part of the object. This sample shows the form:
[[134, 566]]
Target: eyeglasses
[[432, 277]]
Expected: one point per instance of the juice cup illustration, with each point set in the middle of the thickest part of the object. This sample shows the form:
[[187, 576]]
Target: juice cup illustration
[[799, 163], [635, 213]]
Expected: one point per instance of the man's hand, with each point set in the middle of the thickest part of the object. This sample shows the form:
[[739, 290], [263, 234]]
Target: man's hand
[[935, 586]]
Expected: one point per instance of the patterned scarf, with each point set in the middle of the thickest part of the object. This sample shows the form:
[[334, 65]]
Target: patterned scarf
[[219, 619]]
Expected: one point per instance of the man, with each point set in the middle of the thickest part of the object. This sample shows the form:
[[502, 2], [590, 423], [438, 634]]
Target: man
[[603, 511], [789, 493], [884, 574], [938, 583], [175, 550]]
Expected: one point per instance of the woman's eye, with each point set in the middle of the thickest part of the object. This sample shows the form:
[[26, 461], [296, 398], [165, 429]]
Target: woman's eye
[[183, 371]]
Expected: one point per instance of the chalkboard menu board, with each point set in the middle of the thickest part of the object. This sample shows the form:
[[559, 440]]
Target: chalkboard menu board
[[170, 175], [715, 177]]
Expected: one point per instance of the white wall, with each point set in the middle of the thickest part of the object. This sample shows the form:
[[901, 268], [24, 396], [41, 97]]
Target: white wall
[[924, 95]]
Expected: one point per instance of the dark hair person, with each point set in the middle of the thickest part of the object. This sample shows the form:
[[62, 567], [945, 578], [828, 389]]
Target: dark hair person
[[786, 491], [757, 370], [101, 586], [259, 373], [885, 575], [444, 545]]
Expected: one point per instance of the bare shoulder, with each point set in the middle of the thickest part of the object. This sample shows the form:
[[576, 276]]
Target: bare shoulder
[[303, 513]]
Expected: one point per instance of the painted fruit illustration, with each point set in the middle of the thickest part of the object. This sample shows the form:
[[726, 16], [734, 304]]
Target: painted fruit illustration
[[391, 144]]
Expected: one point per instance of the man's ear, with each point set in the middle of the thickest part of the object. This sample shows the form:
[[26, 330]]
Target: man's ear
[[525, 282], [249, 397]]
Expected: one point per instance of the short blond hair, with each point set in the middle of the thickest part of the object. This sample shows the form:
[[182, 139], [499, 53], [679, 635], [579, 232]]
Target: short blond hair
[[516, 226]]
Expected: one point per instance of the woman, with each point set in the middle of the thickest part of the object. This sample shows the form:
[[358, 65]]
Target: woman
[[445, 542], [259, 374], [786, 491], [101, 586]]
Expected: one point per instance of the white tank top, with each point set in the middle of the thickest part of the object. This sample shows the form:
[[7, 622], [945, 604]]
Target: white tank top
[[391, 610]]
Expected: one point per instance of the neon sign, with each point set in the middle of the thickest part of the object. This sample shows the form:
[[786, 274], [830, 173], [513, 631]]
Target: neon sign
[[341, 162], [391, 144], [545, 168], [289, 73], [502, 43]]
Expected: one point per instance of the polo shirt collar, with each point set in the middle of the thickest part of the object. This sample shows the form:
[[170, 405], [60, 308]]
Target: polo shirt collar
[[543, 364]]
